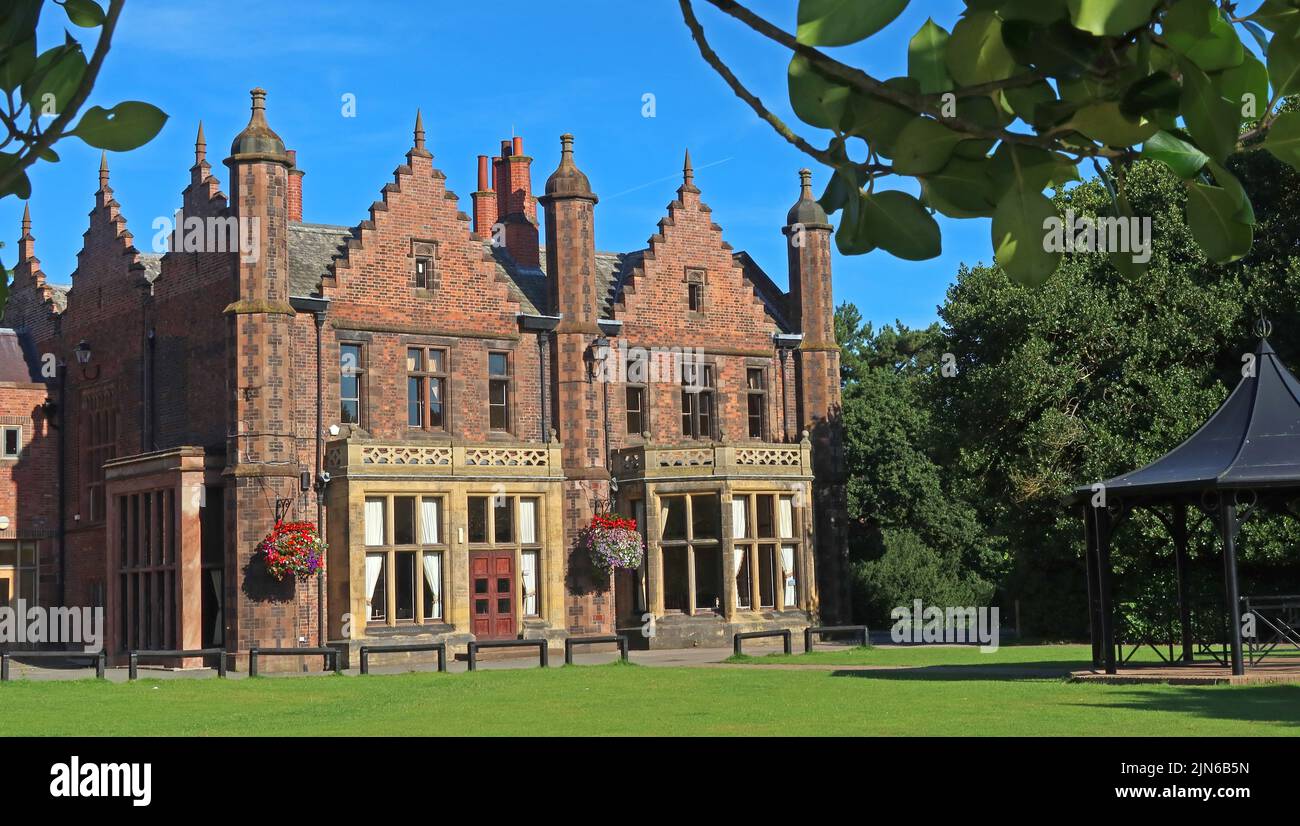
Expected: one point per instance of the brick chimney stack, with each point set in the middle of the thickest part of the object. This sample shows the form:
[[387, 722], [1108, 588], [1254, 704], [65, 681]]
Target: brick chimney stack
[[516, 206], [485, 200], [295, 187]]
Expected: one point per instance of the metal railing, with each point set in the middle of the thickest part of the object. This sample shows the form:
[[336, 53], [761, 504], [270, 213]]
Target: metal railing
[[784, 634], [133, 658], [570, 642], [473, 649], [822, 630], [367, 650], [100, 659], [331, 656]]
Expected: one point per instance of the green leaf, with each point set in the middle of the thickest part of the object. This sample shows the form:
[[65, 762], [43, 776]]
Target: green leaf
[[925, 58], [1245, 85], [852, 238], [1111, 18], [1023, 101], [976, 53], [1034, 11], [55, 78], [1283, 139], [1275, 15], [1057, 49], [924, 146], [1245, 211], [1182, 158], [815, 98], [84, 13], [1211, 120], [841, 22], [962, 189], [124, 127], [1019, 236], [1196, 30], [1155, 91], [1284, 63], [1105, 122], [898, 224], [1210, 216], [17, 64], [878, 121], [1029, 168]]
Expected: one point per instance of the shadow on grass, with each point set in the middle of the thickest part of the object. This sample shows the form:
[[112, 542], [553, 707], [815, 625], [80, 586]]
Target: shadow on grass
[[1044, 670], [1275, 704]]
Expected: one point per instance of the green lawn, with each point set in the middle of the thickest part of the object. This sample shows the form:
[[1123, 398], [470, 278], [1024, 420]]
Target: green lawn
[[1064, 658], [636, 700]]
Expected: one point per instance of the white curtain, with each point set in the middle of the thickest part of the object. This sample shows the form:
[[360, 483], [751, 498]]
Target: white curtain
[[739, 517], [374, 564], [787, 576], [218, 618], [433, 577], [663, 515], [739, 556], [375, 522], [528, 561], [429, 526], [785, 518], [527, 521]]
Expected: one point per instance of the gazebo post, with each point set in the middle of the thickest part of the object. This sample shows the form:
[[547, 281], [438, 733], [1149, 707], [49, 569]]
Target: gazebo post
[[1090, 571], [1228, 527], [1179, 531], [1107, 609]]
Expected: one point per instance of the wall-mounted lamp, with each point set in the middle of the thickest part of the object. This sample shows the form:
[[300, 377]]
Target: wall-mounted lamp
[[595, 356], [82, 351]]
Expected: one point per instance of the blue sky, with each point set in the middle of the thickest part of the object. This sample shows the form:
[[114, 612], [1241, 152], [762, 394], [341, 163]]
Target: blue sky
[[479, 71]]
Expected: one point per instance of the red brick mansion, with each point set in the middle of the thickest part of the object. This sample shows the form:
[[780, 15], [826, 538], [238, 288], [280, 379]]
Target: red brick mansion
[[450, 397]]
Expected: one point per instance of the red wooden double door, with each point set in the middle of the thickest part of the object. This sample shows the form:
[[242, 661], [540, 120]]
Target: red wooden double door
[[492, 594]]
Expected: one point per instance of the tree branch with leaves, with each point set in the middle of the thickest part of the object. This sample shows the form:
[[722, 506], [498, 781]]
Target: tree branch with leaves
[[1015, 97], [41, 94]]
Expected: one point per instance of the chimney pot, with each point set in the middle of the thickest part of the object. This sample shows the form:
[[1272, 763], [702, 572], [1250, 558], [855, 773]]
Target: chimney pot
[[518, 146]]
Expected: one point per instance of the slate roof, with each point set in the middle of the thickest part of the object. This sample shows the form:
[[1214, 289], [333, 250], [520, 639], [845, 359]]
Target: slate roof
[[18, 361], [314, 247], [1251, 441]]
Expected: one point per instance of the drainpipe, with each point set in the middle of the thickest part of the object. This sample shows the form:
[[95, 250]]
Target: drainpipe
[[62, 530], [318, 307], [543, 325]]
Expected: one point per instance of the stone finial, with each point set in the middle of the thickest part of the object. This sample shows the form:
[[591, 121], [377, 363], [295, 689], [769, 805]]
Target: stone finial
[[567, 179], [258, 141], [807, 212], [200, 146], [27, 220], [805, 184], [419, 130], [688, 171], [26, 244], [103, 170]]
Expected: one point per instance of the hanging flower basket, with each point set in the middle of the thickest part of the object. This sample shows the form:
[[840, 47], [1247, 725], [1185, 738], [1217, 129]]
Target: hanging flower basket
[[613, 542], [293, 549]]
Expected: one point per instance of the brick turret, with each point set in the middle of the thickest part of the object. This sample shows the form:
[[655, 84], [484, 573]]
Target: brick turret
[[261, 460], [571, 273], [817, 368]]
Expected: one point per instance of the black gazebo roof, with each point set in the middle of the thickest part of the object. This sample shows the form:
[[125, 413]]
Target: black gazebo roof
[[1251, 441]]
